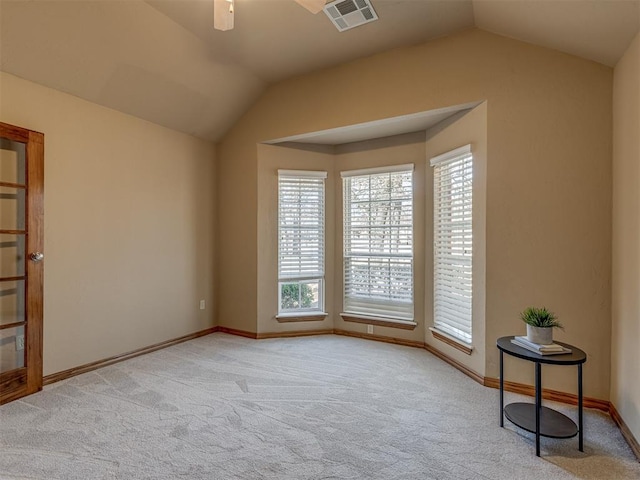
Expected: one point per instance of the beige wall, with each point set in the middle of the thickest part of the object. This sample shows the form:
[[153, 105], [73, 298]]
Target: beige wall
[[625, 355], [470, 129], [548, 178], [129, 226], [270, 159], [236, 234]]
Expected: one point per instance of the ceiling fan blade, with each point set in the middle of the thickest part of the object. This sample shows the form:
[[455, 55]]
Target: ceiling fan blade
[[223, 14], [314, 6]]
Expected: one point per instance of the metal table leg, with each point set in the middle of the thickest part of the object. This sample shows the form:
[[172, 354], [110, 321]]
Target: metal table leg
[[501, 388], [580, 444], [538, 405]]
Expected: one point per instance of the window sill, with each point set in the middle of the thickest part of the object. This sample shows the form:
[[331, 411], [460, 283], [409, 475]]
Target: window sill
[[451, 341], [301, 317], [379, 321]]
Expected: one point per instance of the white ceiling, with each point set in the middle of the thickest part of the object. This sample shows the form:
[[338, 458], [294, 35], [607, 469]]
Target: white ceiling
[[161, 60]]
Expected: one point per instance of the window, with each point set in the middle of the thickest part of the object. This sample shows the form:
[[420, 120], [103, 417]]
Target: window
[[301, 241], [453, 242], [378, 242]]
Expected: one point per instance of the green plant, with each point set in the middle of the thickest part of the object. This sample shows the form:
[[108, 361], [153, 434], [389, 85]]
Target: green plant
[[540, 317], [296, 295]]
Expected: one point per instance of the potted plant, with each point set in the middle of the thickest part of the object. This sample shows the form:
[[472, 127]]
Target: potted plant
[[540, 324]]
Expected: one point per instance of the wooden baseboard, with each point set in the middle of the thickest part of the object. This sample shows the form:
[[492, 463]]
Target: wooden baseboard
[[72, 372], [295, 333], [265, 335], [239, 333], [454, 363], [555, 395], [379, 338], [626, 432]]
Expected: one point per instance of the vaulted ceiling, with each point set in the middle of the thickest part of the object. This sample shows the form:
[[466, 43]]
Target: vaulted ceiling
[[161, 60]]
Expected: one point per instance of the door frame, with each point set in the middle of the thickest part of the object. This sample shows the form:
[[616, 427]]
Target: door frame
[[28, 379]]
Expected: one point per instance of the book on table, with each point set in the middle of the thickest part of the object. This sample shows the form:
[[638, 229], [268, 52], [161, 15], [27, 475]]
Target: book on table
[[551, 349]]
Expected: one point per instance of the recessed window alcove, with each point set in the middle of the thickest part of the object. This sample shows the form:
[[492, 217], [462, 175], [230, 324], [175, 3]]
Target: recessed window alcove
[[375, 146]]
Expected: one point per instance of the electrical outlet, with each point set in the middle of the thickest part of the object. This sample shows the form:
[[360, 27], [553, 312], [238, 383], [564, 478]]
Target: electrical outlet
[[369, 328], [19, 342], [201, 304]]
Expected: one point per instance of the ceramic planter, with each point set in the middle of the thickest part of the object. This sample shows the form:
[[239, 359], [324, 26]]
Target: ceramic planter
[[540, 335]]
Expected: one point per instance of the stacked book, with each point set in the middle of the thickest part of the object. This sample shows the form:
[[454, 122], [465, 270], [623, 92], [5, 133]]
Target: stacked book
[[551, 349]]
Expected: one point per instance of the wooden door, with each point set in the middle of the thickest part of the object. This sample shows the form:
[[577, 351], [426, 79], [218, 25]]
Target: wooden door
[[21, 261]]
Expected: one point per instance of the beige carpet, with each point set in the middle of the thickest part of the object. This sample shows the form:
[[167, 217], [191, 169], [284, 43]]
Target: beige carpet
[[327, 407]]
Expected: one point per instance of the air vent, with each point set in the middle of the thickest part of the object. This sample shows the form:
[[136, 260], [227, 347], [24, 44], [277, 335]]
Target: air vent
[[346, 14]]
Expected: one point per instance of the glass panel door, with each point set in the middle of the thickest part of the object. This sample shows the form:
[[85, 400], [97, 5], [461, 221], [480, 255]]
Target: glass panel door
[[13, 191], [21, 198]]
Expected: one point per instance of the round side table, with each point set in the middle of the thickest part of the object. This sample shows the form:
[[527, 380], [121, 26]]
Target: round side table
[[535, 418]]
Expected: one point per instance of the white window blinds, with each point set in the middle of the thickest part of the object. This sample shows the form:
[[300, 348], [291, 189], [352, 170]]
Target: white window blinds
[[453, 242], [378, 242], [301, 239]]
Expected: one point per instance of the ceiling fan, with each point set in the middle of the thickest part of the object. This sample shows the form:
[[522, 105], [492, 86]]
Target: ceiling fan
[[223, 11], [344, 14]]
